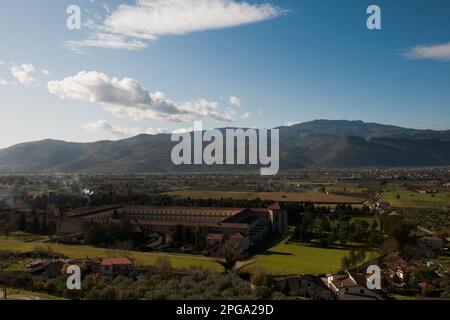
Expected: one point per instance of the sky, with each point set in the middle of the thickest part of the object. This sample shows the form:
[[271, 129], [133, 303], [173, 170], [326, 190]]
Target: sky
[[154, 66]]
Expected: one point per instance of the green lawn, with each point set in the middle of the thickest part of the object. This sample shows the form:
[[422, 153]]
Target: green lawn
[[412, 199], [286, 259], [145, 259]]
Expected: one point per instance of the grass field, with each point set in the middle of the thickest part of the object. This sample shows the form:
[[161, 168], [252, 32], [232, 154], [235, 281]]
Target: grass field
[[275, 196], [287, 259], [38, 295], [412, 199], [142, 258]]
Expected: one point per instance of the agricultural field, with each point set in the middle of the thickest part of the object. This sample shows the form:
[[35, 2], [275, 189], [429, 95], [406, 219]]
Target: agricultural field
[[316, 197], [292, 258], [142, 258], [412, 199], [345, 189]]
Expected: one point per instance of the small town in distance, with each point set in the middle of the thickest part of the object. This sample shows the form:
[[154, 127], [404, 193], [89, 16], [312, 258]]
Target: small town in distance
[[304, 235]]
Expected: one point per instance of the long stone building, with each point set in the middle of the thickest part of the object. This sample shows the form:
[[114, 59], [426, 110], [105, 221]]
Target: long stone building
[[248, 226]]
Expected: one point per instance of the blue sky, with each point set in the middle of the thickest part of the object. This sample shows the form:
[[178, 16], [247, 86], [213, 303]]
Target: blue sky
[[285, 61]]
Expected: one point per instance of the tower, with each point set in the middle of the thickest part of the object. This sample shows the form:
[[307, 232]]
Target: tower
[[278, 217]]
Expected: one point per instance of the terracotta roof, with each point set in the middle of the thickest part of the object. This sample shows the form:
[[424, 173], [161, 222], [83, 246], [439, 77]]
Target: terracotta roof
[[91, 210], [275, 206], [425, 285], [115, 261]]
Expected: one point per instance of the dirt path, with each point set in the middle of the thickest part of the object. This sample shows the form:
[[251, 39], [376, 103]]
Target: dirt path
[[241, 264]]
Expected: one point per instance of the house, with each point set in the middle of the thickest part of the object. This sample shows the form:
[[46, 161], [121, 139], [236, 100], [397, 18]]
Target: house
[[394, 266], [349, 286], [431, 243], [116, 266], [305, 286], [49, 268]]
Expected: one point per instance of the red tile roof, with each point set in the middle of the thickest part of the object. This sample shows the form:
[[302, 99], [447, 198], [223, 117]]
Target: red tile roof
[[115, 261]]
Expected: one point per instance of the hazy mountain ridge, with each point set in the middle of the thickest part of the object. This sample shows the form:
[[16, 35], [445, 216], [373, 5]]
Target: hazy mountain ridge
[[320, 143]]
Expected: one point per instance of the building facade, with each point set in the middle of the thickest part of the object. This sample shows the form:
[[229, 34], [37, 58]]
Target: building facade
[[247, 226]]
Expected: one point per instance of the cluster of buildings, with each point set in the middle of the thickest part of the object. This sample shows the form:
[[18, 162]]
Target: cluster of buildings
[[247, 226], [111, 266], [342, 286]]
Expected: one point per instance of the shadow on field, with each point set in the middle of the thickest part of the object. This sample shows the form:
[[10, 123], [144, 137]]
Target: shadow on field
[[273, 253]]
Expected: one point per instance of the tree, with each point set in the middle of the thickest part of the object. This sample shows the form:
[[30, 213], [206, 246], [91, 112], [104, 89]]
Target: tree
[[164, 267], [188, 238], [353, 259], [345, 263], [401, 232], [178, 236], [35, 227], [198, 239], [344, 232], [5, 278], [93, 234], [360, 231], [296, 235], [325, 225], [331, 237], [21, 222], [230, 254]]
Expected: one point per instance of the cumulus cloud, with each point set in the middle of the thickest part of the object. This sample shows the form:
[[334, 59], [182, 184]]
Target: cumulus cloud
[[117, 131], [235, 101], [3, 82], [127, 98], [23, 73], [132, 26], [45, 72], [440, 52]]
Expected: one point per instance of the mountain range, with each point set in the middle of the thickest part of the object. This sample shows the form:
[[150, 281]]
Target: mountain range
[[315, 144]]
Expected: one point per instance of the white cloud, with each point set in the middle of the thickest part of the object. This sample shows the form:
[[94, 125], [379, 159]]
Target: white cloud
[[154, 131], [183, 130], [246, 115], [292, 123], [434, 52], [104, 126], [3, 82], [131, 26], [127, 98], [106, 41], [235, 101], [22, 73], [2, 63], [45, 72]]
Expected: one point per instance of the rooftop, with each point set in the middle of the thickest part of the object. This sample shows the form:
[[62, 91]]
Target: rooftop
[[116, 261]]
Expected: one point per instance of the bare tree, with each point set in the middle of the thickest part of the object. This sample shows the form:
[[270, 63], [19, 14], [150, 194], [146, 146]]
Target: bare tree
[[230, 254]]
